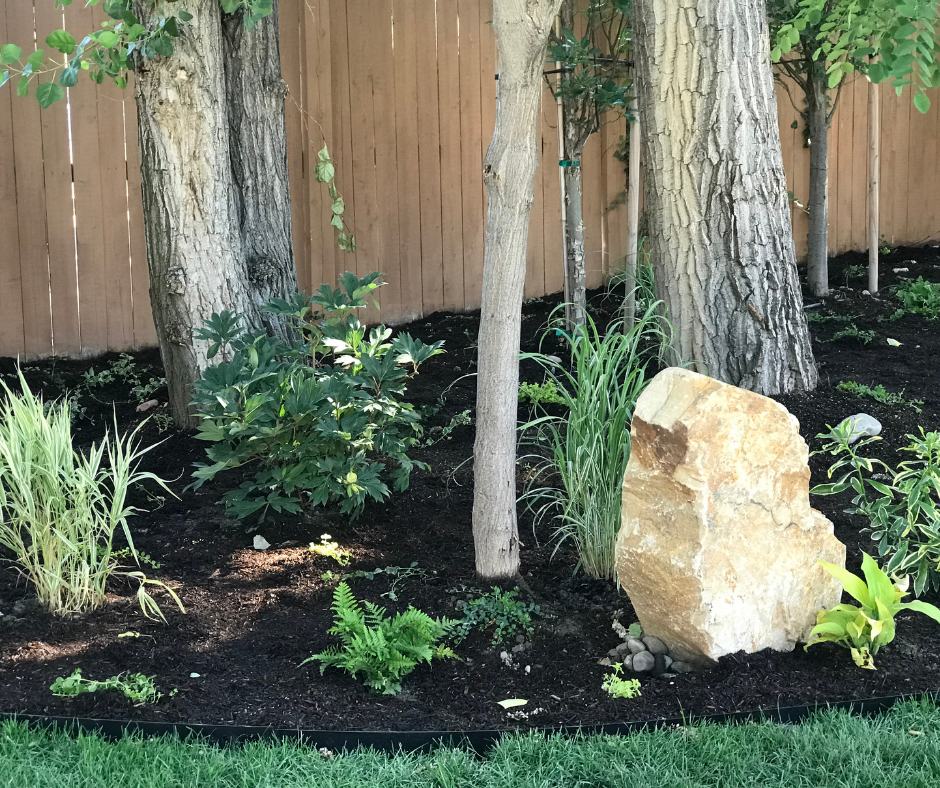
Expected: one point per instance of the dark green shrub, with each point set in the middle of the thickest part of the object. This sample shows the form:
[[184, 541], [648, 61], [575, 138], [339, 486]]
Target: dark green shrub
[[320, 418]]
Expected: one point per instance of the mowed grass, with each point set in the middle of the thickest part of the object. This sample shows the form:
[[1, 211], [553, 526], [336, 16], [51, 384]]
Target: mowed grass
[[833, 749]]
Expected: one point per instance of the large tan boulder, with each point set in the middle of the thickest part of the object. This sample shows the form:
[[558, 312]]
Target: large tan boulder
[[718, 545]]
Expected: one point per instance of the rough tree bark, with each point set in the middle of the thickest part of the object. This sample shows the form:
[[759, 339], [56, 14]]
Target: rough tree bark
[[194, 246], [522, 28], [258, 145], [720, 234], [817, 111]]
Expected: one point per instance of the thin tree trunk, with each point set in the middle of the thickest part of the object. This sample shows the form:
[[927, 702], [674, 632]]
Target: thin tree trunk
[[633, 219], [575, 275], [190, 215], [522, 28], [258, 137], [817, 261], [720, 233]]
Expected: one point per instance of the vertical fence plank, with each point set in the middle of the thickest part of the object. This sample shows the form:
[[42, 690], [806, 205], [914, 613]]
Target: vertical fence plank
[[320, 248], [429, 159], [12, 340], [841, 205], [451, 186], [389, 253], [87, 160], [406, 155], [30, 198], [901, 138], [471, 148], [57, 165]]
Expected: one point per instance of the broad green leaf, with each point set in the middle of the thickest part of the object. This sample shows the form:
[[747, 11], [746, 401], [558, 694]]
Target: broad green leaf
[[230, 6], [923, 607], [922, 102], [69, 77], [107, 38], [854, 586], [61, 40], [22, 88], [36, 59], [48, 93], [10, 53], [880, 587]]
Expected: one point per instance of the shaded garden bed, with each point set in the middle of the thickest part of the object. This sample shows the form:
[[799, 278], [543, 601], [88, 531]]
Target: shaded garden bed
[[254, 616]]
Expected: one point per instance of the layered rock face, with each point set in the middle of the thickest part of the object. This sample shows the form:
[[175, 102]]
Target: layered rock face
[[718, 546]]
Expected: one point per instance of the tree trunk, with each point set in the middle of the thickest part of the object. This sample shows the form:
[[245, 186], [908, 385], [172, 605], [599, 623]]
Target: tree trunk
[[573, 139], [258, 140], [817, 108], [194, 247], [522, 28], [720, 233]]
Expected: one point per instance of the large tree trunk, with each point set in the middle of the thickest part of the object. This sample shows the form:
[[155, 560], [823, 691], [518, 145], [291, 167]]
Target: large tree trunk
[[194, 246], [817, 110], [258, 139], [720, 234], [522, 28]]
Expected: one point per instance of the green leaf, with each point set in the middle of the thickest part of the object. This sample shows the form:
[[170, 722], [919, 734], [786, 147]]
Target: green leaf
[[835, 78], [61, 40], [324, 171], [922, 102], [48, 93], [22, 88], [10, 53], [880, 587], [107, 38], [339, 206], [36, 59], [69, 77], [230, 6], [4, 78], [185, 16], [923, 607], [854, 586]]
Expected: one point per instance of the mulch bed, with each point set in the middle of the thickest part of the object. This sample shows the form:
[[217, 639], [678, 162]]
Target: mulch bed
[[253, 617]]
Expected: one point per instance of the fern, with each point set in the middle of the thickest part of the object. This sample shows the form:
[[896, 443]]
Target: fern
[[383, 649]]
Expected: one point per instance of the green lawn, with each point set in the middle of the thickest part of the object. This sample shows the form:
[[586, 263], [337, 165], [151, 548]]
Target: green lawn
[[835, 750]]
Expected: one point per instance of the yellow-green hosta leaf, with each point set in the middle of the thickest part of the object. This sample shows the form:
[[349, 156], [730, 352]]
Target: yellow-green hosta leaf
[[863, 658], [854, 586], [880, 587]]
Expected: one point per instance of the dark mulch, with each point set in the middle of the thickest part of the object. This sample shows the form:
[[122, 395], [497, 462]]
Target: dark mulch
[[252, 616]]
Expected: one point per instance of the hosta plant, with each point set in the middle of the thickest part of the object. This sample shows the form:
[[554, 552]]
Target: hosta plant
[[319, 418], [903, 510], [866, 627], [383, 649]]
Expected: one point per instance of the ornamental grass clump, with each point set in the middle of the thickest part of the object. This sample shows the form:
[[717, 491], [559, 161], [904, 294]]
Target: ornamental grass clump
[[586, 451], [60, 508]]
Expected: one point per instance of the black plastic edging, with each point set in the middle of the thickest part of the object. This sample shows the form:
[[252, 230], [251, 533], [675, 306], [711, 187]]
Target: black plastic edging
[[393, 741]]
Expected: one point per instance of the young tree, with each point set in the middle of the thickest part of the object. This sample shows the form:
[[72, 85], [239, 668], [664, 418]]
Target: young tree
[[816, 43], [522, 29], [593, 84], [719, 226]]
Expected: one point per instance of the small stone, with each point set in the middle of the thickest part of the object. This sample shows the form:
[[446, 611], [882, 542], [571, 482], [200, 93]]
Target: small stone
[[636, 646], [260, 543], [863, 426], [681, 667], [900, 270], [518, 648], [659, 664], [643, 662], [148, 405], [866, 292], [604, 661], [520, 638], [655, 645], [628, 662], [623, 648], [613, 653], [668, 660]]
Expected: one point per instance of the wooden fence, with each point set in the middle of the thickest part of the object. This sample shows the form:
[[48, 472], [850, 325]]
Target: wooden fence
[[404, 93]]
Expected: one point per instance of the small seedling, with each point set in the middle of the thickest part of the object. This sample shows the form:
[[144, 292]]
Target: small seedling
[[879, 394], [134, 686], [618, 687], [819, 317], [851, 331], [330, 549], [398, 574], [145, 391], [462, 419]]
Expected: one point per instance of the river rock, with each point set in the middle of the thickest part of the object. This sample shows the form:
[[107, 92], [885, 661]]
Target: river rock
[[643, 662], [718, 547], [863, 426], [635, 645], [654, 645]]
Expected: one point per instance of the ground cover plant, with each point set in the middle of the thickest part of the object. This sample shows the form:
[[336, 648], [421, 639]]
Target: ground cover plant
[[254, 615], [879, 394], [899, 749], [135, 687], [320, 418]]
